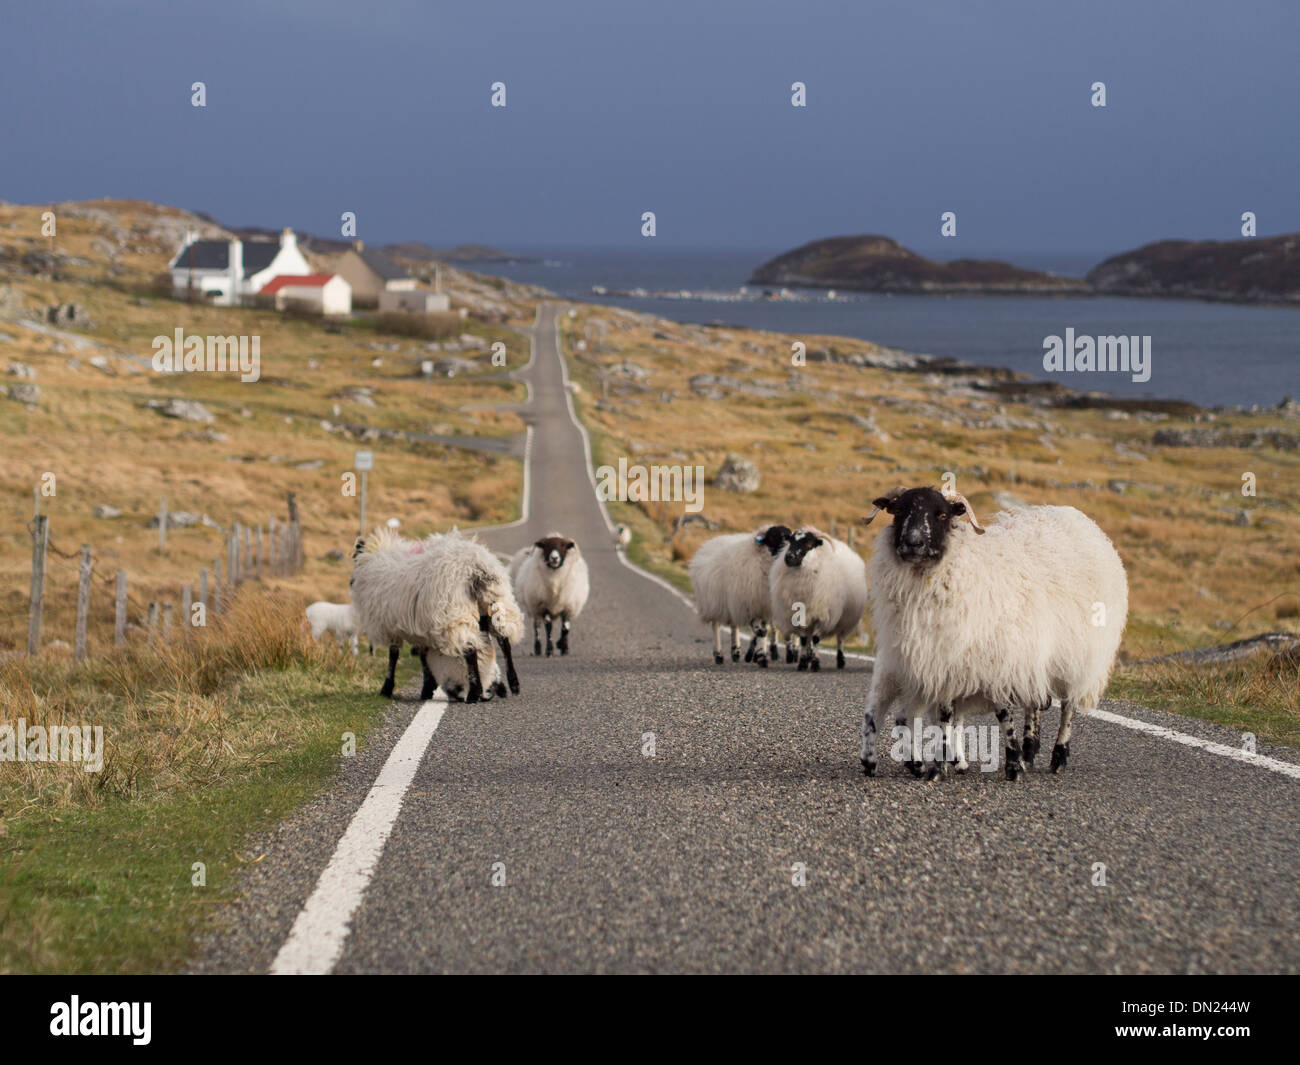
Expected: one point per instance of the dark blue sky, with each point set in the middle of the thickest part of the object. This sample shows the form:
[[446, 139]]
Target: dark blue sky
[[315, 107]]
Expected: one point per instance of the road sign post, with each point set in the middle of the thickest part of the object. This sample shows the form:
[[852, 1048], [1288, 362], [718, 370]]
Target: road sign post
[[364, 462]]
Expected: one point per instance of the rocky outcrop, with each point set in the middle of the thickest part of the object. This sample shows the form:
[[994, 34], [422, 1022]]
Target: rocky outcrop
[[1256, 270], [879, 264]]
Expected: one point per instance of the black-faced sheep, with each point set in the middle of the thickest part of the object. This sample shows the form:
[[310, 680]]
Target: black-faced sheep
[[817, 589], [730, 577], [969, 619], [551, 583]]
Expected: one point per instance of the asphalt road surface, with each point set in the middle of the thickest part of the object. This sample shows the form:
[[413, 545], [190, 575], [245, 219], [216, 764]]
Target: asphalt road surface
[[750, 840]]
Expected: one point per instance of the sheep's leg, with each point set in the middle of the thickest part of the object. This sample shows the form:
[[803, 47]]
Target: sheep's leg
[[773, 642], [1015, 767], [1029, 735], [475, 692], [512, 678], [1061, 752], [355, 650], [839, 652], [549, 646], [758, 645], [880, 697], [563, 645], [789, 648], [394, 652], [430, 681], [803, 654], [735, 643], [915, 730], [717, 644], [749, 651], [814, 659], [939, 770]]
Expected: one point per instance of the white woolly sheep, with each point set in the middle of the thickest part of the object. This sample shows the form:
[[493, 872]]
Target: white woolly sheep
[[969, 619], [817, 589], [729, 577], [338, 618], [622, 536], [550, 581], [445, 595]]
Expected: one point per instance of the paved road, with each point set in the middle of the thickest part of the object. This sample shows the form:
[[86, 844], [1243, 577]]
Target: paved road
[[684, 861]]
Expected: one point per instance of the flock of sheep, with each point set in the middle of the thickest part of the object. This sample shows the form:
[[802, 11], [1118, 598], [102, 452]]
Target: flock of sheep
[[967, 619]]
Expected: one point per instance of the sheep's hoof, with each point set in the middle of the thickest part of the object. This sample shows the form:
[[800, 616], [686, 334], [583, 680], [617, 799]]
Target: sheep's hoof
[[1029, 750], [562, 647], [816, 664], [537, 647], [961, 767], [514, 685], [499, 690], [803, 664], [749, 655], [1015, 769], [387, 690], [549, 649], [426, 691], [474, 694], [762, 663], [868, 768], [839, 659], [915, 768], [938, 771], [735, 655], [717, 658], [1060, 756]]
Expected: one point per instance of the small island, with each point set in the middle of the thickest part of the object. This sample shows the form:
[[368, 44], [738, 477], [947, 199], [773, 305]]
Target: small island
[[1254, 270], [879, 264]]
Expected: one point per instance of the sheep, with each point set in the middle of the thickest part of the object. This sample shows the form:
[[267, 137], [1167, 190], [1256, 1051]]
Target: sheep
[[969, 620], [622, 536], [817, 588], [550, 580], [445, 595], [729, 576], [338, 618]]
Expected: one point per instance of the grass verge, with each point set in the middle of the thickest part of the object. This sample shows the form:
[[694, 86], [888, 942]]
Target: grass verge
[[207, 742]]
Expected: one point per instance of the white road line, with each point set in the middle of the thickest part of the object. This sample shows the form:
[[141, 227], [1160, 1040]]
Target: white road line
[[316, 940], [1235, 753]]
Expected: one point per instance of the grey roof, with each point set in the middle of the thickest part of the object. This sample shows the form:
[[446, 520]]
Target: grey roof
[[215, 255], [382, 264]]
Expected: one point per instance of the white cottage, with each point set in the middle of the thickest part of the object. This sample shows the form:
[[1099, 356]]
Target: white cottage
[[225, 272], [327, 293]]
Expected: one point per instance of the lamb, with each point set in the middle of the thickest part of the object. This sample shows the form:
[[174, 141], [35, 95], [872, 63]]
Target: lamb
[[338, 618], [729, 576], [550, 580], [969, 620], [446, 595], [817, 588]]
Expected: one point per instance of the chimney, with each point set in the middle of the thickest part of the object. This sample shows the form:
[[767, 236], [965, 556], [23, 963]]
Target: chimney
[[236, 265], [287, 239]]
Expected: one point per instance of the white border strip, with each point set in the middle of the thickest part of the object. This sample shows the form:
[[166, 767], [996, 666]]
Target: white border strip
[[1235, 753], [316, 940]]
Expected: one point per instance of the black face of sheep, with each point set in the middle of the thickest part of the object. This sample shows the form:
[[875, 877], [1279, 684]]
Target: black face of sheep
[[800, 544], [923, 518], [774, 538], [554, 549]]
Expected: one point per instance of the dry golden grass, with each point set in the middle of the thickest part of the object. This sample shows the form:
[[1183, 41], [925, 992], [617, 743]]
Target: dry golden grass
[[92, 432], [165, 707]]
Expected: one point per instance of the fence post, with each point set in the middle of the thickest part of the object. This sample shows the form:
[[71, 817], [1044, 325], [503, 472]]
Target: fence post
[[274, 537], [246, 568], [217, 590], [153, 621], [261, 554], [187, 602], [83, 605], [203, 590], [40, 541], [162, 525], [295, 538], [232, 564], [167, 620], [119, 610]]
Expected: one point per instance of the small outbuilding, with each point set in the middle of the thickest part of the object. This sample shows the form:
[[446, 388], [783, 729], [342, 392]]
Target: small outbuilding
[[325, 293]]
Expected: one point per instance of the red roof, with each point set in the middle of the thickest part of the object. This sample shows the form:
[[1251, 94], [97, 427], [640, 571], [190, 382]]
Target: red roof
[[296, 281]]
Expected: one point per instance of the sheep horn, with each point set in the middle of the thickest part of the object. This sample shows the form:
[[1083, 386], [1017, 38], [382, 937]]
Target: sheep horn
[[892, 494], [954, 496]]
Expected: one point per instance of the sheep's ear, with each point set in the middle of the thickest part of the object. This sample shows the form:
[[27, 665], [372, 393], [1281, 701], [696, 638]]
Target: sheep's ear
[[569, 545], [541, 544], [958, 506]]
